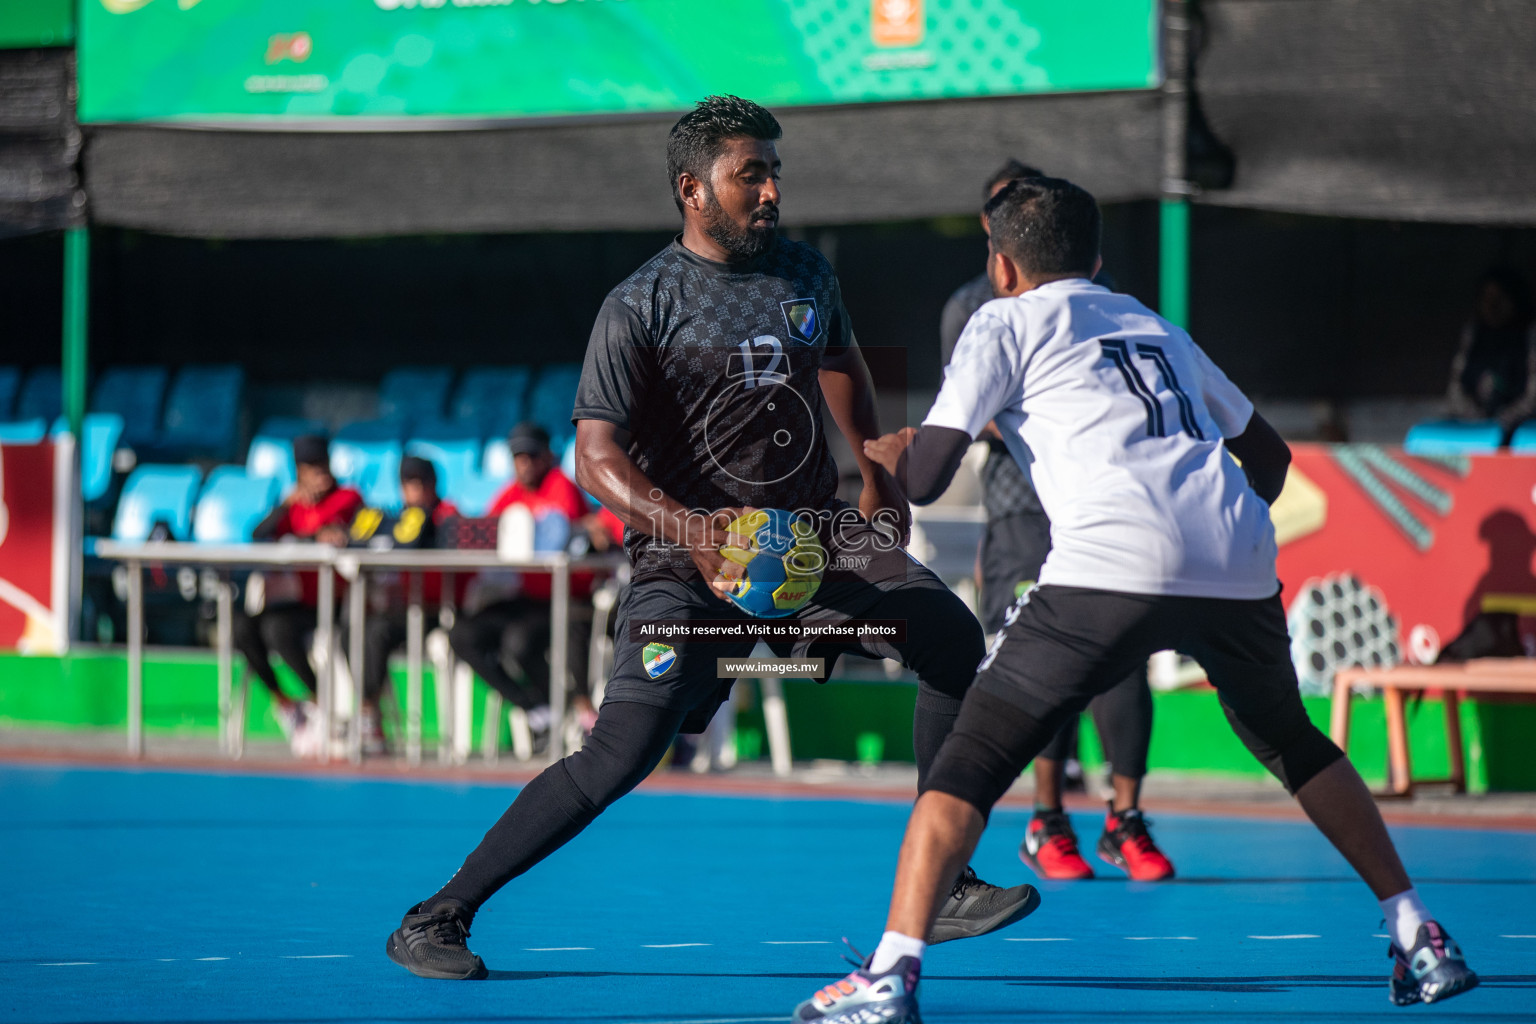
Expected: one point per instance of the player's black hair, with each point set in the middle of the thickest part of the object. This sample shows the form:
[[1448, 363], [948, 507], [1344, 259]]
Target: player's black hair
[[1046, 226], [1010, 171], [696, 141]]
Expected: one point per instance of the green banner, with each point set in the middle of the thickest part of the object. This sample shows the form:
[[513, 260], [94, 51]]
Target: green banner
[[36, 23], [237, 60]]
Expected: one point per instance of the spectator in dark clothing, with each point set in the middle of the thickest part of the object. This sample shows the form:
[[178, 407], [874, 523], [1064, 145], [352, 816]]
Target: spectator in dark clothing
[[316, 509], [1493, 376], [420, 525], [507, 641]]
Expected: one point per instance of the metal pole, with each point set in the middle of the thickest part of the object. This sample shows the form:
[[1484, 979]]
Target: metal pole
[[225, 642], [1173, 241], [325, 696], [135, 659], [357, 619], [77, 267], [448, 728], [560, 608], [413, 645]]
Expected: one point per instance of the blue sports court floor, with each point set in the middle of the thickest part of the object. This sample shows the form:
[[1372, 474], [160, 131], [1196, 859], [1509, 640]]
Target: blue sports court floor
[[173, 896]]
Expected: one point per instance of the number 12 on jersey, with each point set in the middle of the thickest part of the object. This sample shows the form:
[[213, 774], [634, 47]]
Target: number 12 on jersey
[[1118, 351], [769, 373]]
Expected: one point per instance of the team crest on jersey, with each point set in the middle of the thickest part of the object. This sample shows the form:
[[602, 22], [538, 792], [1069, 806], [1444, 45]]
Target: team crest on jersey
[[801, 318], [657, 658]]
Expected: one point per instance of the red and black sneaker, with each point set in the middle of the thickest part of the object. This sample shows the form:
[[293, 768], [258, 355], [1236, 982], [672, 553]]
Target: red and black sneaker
[[1128, 845], [1050, 848]]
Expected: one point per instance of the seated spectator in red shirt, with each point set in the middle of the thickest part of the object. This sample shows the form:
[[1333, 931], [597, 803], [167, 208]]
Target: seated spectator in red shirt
[[507, 641], [419, 525], [316, 509]]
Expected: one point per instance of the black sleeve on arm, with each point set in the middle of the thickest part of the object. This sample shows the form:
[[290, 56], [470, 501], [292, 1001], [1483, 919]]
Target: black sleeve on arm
[[613, 375], [1264, 455], [930, 462]]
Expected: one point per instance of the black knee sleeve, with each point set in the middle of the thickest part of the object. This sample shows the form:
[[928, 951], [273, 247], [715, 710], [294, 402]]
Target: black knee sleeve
[[989, 746], [1286, 742]]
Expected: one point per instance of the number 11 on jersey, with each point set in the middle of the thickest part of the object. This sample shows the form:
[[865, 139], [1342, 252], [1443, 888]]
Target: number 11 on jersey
[[1118, 351]]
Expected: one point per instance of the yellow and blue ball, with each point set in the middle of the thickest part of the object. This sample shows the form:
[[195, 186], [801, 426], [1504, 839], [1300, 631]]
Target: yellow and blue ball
[[781, 559]]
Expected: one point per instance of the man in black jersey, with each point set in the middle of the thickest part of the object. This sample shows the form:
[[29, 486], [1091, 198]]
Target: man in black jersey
[[701, 396]]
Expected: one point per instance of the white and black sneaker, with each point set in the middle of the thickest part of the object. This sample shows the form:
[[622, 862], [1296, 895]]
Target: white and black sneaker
[[867, 998], [431, 943], [1432, 970]]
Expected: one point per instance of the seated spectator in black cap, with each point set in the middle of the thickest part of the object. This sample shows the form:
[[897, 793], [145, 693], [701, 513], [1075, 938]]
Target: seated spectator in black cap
[[316, 509], [419, 525], [507, 642]]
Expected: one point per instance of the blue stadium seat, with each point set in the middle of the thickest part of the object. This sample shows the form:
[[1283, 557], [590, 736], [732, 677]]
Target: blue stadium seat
[[23, 431], [1524, 441], [453, 448], [474, 493], [154, 494], [271, 450], [202, 411], [231, 505], [135, 393], [414, 392], [553, 398], [102, 432], [492, 397], [366, 455], [1447, 437], [10, 384], [42, 396]]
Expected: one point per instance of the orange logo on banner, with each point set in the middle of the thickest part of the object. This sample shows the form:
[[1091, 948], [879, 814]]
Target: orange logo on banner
[[897, 22]]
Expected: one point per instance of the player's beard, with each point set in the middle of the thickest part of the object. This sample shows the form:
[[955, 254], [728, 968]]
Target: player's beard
[[741, 242]]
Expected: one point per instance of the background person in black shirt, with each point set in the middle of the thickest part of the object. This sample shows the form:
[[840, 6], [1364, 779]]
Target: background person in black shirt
[[1013, 549], [702, 394]]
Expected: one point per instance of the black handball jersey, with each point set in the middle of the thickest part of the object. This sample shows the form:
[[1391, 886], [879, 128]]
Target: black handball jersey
[[712, 368]]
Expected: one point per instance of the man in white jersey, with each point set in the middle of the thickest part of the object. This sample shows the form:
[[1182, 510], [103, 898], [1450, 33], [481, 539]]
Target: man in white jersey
[[1159, 540]]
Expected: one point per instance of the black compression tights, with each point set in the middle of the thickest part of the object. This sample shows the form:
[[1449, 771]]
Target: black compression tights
[[625, 746]]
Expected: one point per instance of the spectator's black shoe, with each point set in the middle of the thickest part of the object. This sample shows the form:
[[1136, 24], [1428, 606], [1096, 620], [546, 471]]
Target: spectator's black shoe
[[430, 943], [1432, 970], [975, 908]]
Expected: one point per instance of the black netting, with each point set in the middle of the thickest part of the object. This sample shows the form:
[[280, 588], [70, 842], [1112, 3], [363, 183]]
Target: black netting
[[1391, 109], [39, 143], [842, 165]]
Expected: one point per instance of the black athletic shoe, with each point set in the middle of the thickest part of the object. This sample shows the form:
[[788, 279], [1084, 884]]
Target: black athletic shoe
[[1432, 970], [975, 908], [430, 943]]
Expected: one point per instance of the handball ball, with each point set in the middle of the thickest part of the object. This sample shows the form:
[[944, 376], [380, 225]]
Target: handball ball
[[781, 564]]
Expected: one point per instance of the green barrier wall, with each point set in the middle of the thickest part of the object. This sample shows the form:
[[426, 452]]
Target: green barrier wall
[[842, 720]]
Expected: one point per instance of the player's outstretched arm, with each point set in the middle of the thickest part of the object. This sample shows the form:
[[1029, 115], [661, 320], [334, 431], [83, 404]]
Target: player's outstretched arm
[[605, 471], [850, 395], [923, 461], [1265, 457]]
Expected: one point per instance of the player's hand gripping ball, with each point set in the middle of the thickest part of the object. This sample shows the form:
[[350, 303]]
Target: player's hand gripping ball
[[781, 563]]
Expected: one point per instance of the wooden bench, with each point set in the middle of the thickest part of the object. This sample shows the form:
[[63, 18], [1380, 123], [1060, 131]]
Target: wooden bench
[[1482, 675]]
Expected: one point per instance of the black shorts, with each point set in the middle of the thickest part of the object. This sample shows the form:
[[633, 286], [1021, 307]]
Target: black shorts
[[889, 585], [1065, 645]]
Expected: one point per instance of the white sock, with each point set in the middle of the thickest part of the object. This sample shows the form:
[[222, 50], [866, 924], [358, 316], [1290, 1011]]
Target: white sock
[[893, 946], [1404, 913]]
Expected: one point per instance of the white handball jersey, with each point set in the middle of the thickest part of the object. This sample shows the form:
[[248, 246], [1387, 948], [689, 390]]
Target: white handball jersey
[[1118, 416]]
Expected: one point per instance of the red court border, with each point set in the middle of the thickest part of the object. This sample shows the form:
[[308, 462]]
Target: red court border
[[720, 785]]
